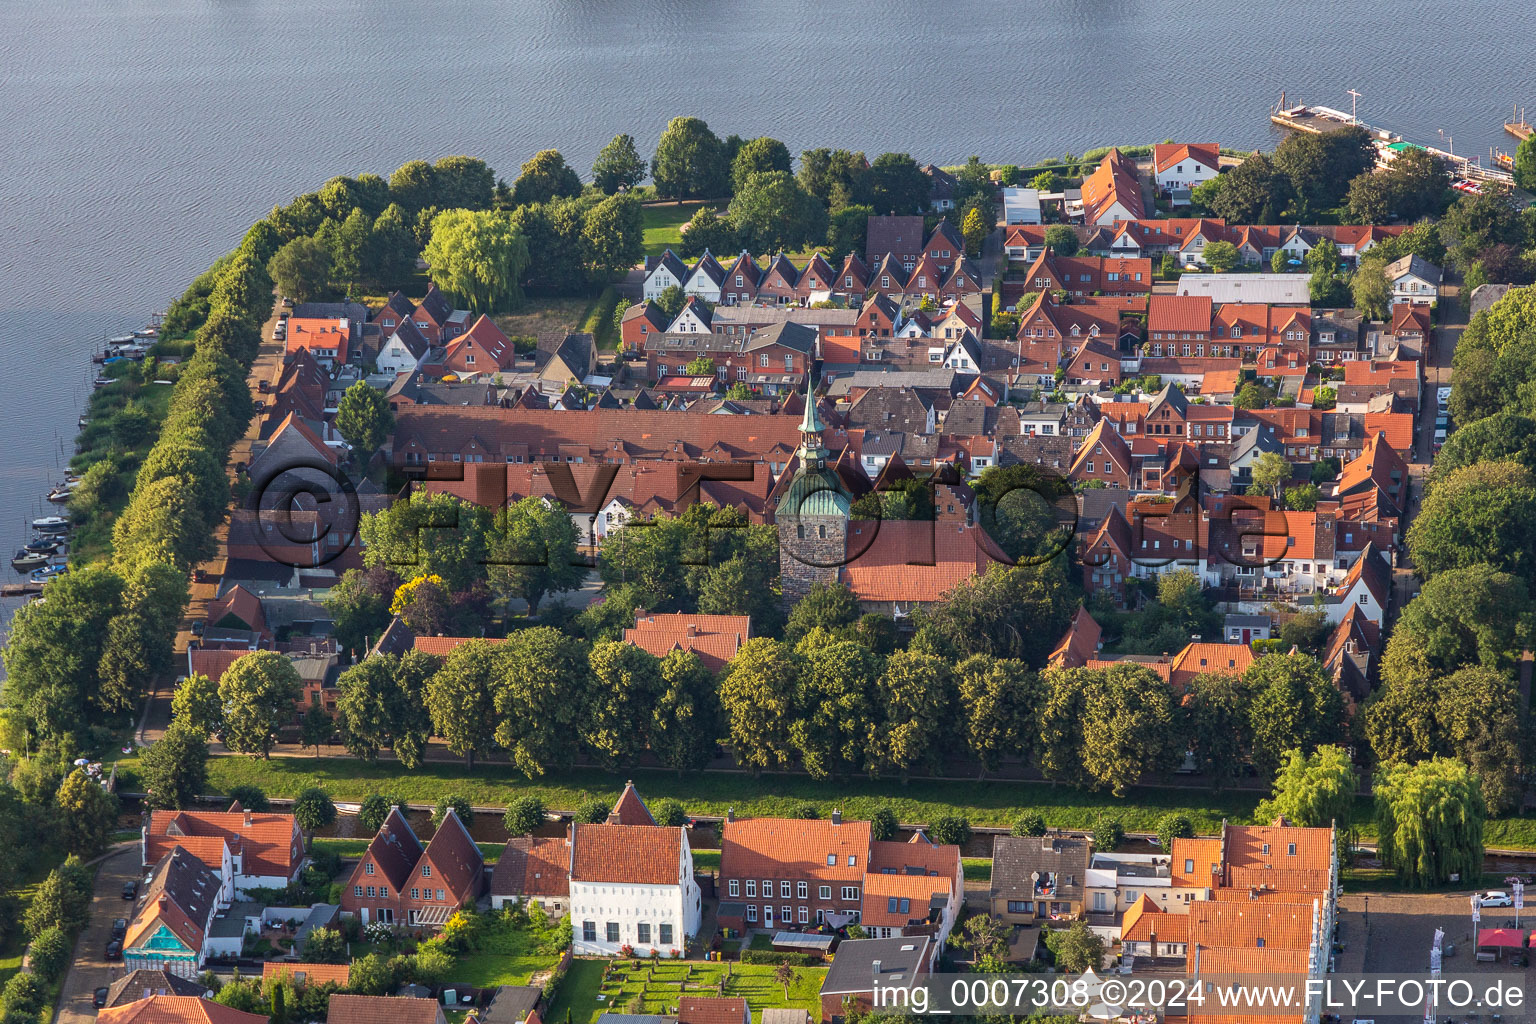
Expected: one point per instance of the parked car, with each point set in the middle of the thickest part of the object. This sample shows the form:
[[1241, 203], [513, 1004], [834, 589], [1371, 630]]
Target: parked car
[[119, 929], [1495, 898], [114, 950], [130, 890], [99, 997]]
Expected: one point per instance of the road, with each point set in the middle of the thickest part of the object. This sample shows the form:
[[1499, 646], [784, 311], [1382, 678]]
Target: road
[[88, 971]]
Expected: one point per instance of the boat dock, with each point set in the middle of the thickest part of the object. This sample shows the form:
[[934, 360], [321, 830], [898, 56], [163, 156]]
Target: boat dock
[[1518, 126], [1316, 120], [20, 589]]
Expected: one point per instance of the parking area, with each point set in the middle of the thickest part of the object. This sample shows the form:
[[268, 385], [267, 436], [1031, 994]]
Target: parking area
[[1391, 933], [89, 970]]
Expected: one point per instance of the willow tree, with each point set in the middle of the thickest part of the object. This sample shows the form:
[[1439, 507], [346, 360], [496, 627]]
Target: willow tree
[[1429, 817], [478, 256]]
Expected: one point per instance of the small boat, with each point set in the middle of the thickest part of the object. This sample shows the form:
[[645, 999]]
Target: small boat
[[51, 524], [101, 382], [25, 560], [47, 573], [126, 339], [147, 332], [83, 421], [59, 496], [44, 545]]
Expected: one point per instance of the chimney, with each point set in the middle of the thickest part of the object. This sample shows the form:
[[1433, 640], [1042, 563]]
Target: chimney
[[875, 969], [247, 819], [837, 816], [730, 814], [693, 629]]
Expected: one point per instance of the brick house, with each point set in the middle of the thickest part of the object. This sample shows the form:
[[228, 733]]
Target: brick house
[[399, 881], [641, 321]]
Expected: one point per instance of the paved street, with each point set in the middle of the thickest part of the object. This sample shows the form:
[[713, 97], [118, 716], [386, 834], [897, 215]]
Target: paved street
[[88, 971]]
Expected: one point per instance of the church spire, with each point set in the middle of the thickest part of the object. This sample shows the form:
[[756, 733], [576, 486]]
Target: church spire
[[810, 423]]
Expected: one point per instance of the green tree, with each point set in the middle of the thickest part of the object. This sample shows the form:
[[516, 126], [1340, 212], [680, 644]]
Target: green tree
[[49, 954], [1216, 715], [313, 810], [898, 184], [87, 814], [1076, 948], [1295, 706], [175, 768], [975, 229], [351, 248], [1484, 513], [1470, 616], [373, 811], [1107, 833], [707, 231], [838, 177], [669, 813], [1525, 164], [414, 186], [1256, 192], [1127, 727], [1172, 826], [1370, 289], [690, 162], [1269, 471], [371, 975], [1302, 498], [364, 418], [1279, 263], [846, 231], [916, 692], [462, 699], [835, 718], [883, 825], [302, 269], [772, 213], [1507, 436], [316, 728], [544, 177], [1320, 167], [619, 166], [392, 248], [593, 811], [525, 814], [62, 901], [1429, 820], [671, 300], [430, 535], [1313, 790], [545, 696], [458, 805], [613, 233], [359, 606], [1008, 612], [1030, 823], [1061, 240], [950, 830], [531, 547], [830, 606], [1203, 196], [756, 694], [479, 257], [1221, 256], [463, 182], [325, 946], [628, 684], [258, 692], [759, 156], [994, 697], [251, 798], [686, 725], [1483, 722]]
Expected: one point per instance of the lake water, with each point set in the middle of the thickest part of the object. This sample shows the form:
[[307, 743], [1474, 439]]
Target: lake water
[[143, 136]]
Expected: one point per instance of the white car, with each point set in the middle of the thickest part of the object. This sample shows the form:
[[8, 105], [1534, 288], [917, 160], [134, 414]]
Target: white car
[[1495, 898]]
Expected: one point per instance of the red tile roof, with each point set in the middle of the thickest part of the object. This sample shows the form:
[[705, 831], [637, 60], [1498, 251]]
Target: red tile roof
[[350, 1009], [168, 1009], [1179, 313], [1259, 856], [1143, 919], [1203, 856], [1166, 154], [629, 809], [1115, 180], [268, 842], [442, 646], [907, 561], [712, 1010], [633, 854], [1079, 643], [714, 638], [533, 866], [793, 847], [308, 974], [455, 858]]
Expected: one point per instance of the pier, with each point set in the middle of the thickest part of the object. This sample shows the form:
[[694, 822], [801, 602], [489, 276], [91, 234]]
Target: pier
[[1518, 126], [1316, 120]]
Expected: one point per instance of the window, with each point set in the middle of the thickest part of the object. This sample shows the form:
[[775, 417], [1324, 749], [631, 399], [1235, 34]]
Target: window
[[1020, 907], [415, 894], [589, 931], [850, 893], [762, 360], [1130, 896], [789, 364], [784, 887], [1291, 849], [384, 891], [368, 868], [751, 912], [441, 895], [768, 882], [735, 887], [824, 892], [613, 931], [357, 890], [831, 860], [426, 871], [665, 936], [751, 887], [370, 892], [852, 860], [801, 890], [642, 932], [1265, 849]]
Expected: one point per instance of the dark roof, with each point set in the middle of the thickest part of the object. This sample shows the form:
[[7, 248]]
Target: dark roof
[[436, 305], [142, 984], [889, 409], [512, 1004], [398, 304], [709, 266], [1016, 858], [787, 333], [411, 337], [330, 311], [669, 260], [899, 235], [396, 848], [853, 968]]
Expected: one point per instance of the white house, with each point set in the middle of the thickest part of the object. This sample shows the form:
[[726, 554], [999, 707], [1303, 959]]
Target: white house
[[1021, 205], [704, 279], [661, 273], [403, 351], [1414, 279], [693, 318], [1184, 165], [244, 849], [632, 886]]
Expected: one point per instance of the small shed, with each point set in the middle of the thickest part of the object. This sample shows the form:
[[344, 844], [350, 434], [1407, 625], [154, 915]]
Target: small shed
[[811, 943]]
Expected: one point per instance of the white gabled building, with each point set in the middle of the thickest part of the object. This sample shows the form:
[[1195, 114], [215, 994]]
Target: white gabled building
[[632, 885], [1185, 165], [661, 273], [704, 280], [403, 351]]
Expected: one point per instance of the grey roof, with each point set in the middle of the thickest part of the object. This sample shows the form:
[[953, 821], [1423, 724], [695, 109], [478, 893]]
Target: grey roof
[[1016, 859], [1418, 266], [1173, 398], [411, 337], [668, 259], [709, 267], [230, 924], [725, 316], [511, 1004], [784, 1015], [853, 968], [1261, 437], [1036, 450], [143, 983], [787, 333], [436, 304], [1239, 620], [937, 378], [331, 311], [889, 409], [1485, 295], [320, 916]]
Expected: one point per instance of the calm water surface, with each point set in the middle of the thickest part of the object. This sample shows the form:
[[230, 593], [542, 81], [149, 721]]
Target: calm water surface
[[142, 137]]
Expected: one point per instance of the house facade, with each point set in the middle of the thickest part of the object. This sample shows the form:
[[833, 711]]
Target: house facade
[[632, 890]]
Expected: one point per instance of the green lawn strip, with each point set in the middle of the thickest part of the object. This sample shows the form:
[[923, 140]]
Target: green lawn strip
[[507, 957], [663, 225], [977, 869], [996, 803], [577, 995], [598, 321], [490, 852], [661, 986], [706, 860]]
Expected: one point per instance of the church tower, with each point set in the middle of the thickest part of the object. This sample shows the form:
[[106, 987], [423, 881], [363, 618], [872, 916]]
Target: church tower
[[813, 512]]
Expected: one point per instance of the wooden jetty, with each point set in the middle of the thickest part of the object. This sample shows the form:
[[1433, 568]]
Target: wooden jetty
[[1517, 125], [20, 589], [1316, 120]]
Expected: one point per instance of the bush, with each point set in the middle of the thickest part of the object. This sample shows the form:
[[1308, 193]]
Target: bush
[[950, 830], [883, 824], [1173, 826], [1030, 823], [24, 994], [49, 954], [766, 956], [249, 797], [1107, 833], [524, 814], [592, 812], [669, 813], [807, 812]]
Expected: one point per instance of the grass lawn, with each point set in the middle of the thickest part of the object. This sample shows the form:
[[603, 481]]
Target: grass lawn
[[585, 994], [545, 314], [491, 852], [706, 860], [977, 869], [663, 225], [503, 956], [495, 785]]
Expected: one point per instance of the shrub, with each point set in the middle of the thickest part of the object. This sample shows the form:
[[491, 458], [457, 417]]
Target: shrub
[[809, 812], [766, 956], [949, 830], [592, 812], [1107, 833], [49, 954], [883, 824], [524, 814], [669, 813], [249, 797], [1030, 823]]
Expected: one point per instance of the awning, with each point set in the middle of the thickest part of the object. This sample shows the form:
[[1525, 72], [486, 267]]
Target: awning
[[1501, 938]]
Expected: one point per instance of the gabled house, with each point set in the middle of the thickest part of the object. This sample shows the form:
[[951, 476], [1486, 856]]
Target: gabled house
[[403, 349], [167, 1008], [330, 341], [816, 281], [864, 965], [1414, 279], [853, 279], [705, 279], [173, 920], [246, 849], [563, 359], [779, 281], [1181, 166], [662, 272], [693, 318], [436, 318], [1104, 456], [533, 869], [632, 890], [942, 188], [399, 881], [481, 349], [1038, 877], [1148, 930], [345, 1008], [715, 639], [1113, 191], [899, 237], [739, 284]]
